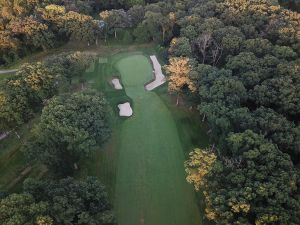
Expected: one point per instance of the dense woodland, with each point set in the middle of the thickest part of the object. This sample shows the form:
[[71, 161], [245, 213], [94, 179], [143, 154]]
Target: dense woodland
[[237, 61]]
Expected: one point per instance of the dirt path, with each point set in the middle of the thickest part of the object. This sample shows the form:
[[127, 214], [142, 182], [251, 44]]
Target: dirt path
[[8, 71], [150, 187]]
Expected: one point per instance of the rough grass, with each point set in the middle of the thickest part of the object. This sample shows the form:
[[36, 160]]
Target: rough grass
[[4, 76], [13, 161]]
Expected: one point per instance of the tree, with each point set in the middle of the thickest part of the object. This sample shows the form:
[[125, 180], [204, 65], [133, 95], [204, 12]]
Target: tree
[[136, 14], [69, 64], [35, 33], [178, 71], [21, 209], [281, 93], [65, 201], [71, 127], [142, 34], [180, 47], [73, 202], [132, 3], [79, 27], [115, 20], [258, 46], [8, 47], [40, 79], [127, 38], [274, 126], [156, 22], [228, 90], [198, 166], [17, 103], [247, 188], [208, 48]]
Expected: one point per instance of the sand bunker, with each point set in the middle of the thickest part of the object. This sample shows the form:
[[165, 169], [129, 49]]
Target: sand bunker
[[158, 75], [117, 84], [125, 109]]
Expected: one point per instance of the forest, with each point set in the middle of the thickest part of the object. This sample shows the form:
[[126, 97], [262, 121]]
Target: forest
[[236, 63]]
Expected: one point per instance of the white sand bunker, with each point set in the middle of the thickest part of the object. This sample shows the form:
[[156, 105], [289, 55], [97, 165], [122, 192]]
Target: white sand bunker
[[158, 75], [125, 109], [117, 84]]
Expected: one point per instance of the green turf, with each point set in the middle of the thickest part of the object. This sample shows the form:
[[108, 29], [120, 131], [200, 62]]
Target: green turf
[[5, 76], [13, 161], [150, 184]]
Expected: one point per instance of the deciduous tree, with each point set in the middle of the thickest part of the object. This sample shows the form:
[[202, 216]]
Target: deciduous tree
[[178, 71], [71, 127]]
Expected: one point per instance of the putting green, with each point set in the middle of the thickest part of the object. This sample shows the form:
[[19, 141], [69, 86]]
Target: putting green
[[150, 186]]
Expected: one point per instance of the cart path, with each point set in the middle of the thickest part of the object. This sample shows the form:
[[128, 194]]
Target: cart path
[[8, 71]]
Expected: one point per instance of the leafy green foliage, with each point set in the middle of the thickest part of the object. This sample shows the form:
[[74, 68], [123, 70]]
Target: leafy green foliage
[[24, 94], [258, 183], [71, 127], [246, 71], [22, 209], [26, 26], [65, 201], [73, 202]]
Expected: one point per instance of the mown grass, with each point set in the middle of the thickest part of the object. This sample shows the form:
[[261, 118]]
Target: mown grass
[[142, 165]]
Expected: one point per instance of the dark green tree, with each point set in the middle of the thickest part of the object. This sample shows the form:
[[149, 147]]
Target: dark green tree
[[73, 202], [71, 127], [19, 209]]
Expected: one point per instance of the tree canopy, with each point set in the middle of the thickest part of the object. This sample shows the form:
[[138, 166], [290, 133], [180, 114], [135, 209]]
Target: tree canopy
[[66, 201], [71, 127]]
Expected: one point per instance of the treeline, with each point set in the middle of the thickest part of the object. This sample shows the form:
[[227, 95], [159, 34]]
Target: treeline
[[239, 62], [26, 26], [49, 202], [70, 128], [33, 25], [24, 94]]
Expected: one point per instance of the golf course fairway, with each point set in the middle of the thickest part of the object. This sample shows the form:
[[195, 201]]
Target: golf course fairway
[[150, 186]]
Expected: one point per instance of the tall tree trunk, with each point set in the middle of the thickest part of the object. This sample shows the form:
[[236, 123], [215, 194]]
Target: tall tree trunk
[[17, 135], [177, 100], [115, 34], [164, 34]]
